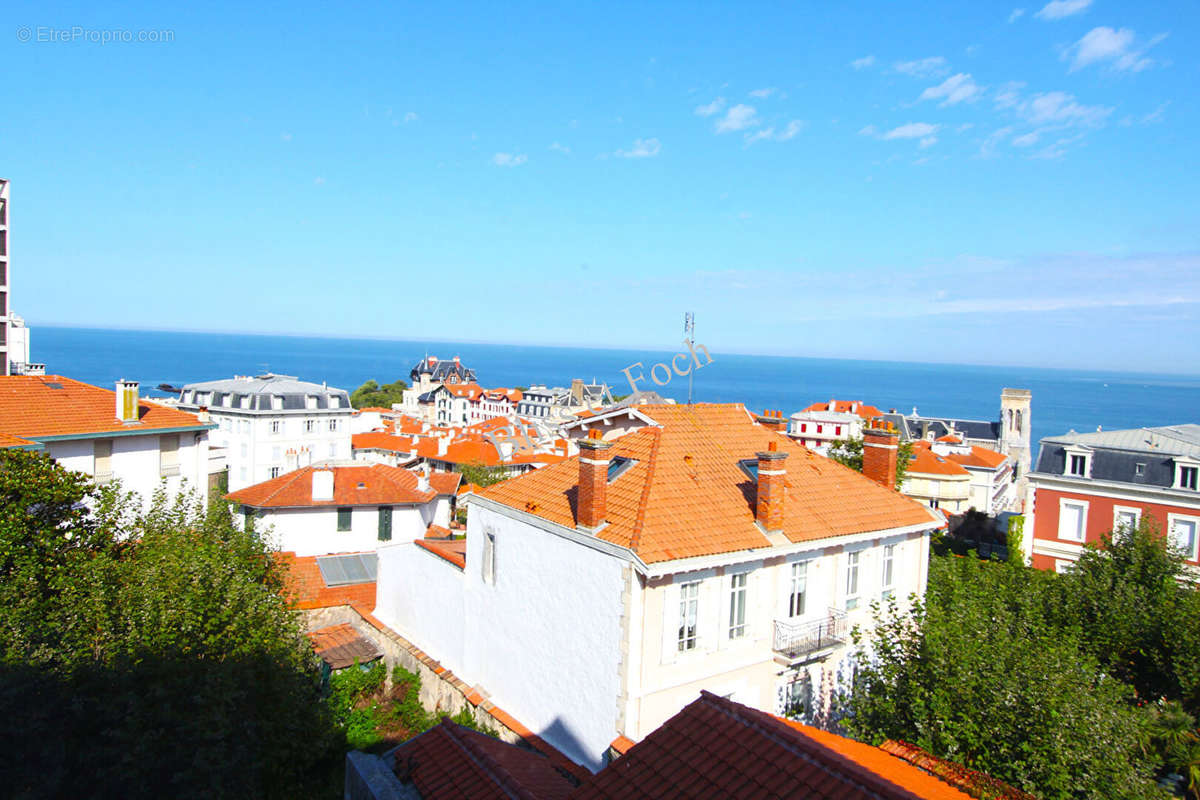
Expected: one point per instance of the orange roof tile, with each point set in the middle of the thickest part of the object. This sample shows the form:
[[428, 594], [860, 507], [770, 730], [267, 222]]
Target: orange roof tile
[[368, 485], [926, 462], [340, 646], [452, 550], [843, 407], [379, 440], [8, 440], [372, 410], [307, 590], [31, 407], [979, 457], [686, 495]]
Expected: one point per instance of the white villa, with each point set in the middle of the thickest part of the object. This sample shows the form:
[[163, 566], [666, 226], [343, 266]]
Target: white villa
[[684, 548]]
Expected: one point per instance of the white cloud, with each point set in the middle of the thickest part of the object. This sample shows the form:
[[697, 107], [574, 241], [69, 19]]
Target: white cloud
[[868, 130], [763, 94], [928, 141], [1027, 139], [1114, 46], [794, 127], [1058, 9], [509, 159], [993, 140], [1016, 14], [1156, 115], [561, 148], [966, 126], [737, 118], [863, 63], [912, 130], [410, 116], [955, 89], [1061, 108], [1008, 95], [642, 148], [711, 108], [319, 181], [932, 67]]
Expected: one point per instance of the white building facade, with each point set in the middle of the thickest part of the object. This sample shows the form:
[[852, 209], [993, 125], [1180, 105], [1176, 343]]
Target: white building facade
[[269, 424]]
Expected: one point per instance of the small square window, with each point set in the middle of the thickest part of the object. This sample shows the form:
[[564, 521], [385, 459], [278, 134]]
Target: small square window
[[1139, 470]]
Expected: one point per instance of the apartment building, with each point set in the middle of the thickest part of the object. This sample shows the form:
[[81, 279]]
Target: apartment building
[[271, 424], [821, 424], [1088, 484], [684, 548]]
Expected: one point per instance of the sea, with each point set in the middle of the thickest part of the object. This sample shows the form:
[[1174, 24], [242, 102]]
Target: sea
[[1063, 399]]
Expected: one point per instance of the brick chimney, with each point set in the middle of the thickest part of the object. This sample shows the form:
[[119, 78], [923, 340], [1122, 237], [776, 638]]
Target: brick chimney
[[769, 495], [881, 444], [775, 420], [592, 502], [127, 401]]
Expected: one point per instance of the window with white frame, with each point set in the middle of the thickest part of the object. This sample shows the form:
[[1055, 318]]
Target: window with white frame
[[489, 557], [1078, 464], [852, 560], [274, 472], [1072, 520], [1187, 475], [276, 427], [737, 605], [333, 425], [1183, 534], [689, 608], [889, 570], [310, 425], [798, 589], [1125, 519]]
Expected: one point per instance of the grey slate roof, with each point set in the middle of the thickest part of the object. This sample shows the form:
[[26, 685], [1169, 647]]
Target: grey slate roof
[[441, 371], [1117, 454], [914, 427], [293, 392]]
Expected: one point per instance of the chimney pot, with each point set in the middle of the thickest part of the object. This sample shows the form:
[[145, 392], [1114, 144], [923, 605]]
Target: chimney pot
[[770, 491], [591, 502], [127, 401]]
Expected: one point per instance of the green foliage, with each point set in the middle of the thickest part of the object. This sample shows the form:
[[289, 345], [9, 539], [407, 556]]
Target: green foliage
[[984, 673], [146, 652], [480, 475], [1014, 540], [850, 453], [372, 395]]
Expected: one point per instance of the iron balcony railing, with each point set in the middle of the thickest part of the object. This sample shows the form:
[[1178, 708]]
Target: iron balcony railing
[[797, 639]]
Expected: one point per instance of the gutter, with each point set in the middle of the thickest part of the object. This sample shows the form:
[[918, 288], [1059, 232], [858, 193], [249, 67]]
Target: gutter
[[131, 431]]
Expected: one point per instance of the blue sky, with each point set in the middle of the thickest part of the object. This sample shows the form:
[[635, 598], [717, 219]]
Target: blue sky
[[968, 182]]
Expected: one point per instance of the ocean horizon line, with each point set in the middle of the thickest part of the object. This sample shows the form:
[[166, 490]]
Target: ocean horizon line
[[626, 349]]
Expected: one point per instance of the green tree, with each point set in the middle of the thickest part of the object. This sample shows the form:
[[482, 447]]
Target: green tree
[[372, 395], [850, 453], [165, 660], [480, 475], [981, 674]]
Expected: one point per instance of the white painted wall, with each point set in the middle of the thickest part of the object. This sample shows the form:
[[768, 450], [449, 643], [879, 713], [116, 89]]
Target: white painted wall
[[253, 449], [136, 462], [313, 531], [421, 596]]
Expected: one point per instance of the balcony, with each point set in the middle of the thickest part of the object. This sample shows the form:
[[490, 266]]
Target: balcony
[[796, 641]]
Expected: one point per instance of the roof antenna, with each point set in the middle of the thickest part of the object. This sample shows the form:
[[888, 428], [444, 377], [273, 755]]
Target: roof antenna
[[689, 336]]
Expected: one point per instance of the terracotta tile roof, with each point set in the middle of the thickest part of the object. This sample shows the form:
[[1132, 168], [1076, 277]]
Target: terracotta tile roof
[[372, 410], [843, 407], [307, 590], [979, 457], [340, 646], [8, 440], [438, 532], [380, 440], [718, 748], [32, 408], [452, 762], [950, 438], [469, 488], [471, 391], [466, 450], [926, 462], [973, 783], [368, 485], [452, 550], [686, 496]]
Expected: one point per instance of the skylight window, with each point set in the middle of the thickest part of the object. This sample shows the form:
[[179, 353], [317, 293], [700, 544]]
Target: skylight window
[[617, 467], [348, 569], [750, 467]]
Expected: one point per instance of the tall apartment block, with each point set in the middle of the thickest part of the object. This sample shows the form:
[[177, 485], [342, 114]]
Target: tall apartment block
[[5, 360]]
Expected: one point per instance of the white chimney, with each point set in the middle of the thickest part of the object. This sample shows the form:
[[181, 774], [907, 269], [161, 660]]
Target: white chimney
[[322, 485], [127, 400], [291, 458], [443, 444], [833, 405], [854, 407], [422, 481], [506, 450]]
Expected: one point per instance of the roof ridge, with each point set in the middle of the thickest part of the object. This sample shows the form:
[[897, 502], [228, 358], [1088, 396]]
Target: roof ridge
[[635, 540], [286, 484], [802, 746], [505, 780]]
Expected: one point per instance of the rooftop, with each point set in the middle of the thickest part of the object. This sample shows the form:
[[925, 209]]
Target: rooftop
[[37, 407], [685, 494], [366, 485], [1181, 440]]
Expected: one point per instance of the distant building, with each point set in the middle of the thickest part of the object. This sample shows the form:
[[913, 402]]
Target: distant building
[[105, 434], [427, 375], [1087, 484], [822, 424], [272, 424], [341, 508], [953, 477], [1008, 435]]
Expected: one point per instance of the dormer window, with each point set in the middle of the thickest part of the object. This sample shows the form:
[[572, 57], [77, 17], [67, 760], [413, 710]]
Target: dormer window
[[750, 467], [1187, 474], [1078, 462]]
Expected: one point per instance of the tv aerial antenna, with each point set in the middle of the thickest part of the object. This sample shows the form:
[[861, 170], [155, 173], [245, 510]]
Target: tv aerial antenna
[[689, 338]]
